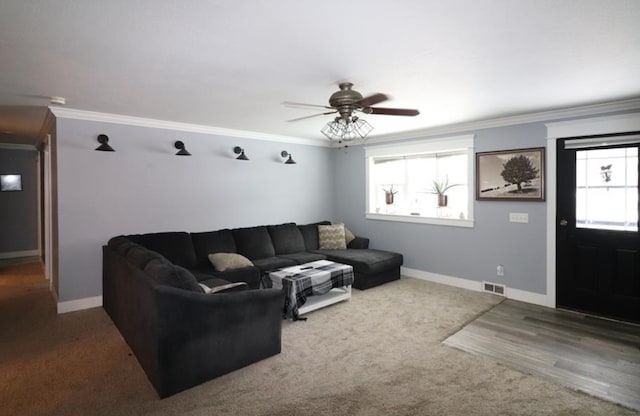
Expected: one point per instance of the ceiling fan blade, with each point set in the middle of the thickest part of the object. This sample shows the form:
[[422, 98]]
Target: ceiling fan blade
[[372, 100], [303, 105], [391, 111], [314, 115]]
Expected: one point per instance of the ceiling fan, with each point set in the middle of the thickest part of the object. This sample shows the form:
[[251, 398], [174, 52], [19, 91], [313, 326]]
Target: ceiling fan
[[345, 102]]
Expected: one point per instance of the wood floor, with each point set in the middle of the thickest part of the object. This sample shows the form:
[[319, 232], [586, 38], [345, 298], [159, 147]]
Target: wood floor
[[597, 356]]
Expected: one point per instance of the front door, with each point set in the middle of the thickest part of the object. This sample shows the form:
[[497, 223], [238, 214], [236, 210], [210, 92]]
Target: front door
[[598, 244]]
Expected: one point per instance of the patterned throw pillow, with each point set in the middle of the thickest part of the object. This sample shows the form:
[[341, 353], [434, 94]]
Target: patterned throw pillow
[[228, 261], [348, 235], [331, 237]]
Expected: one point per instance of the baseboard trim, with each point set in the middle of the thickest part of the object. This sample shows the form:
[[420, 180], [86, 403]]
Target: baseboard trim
[[53, 292], [79, 304], [511, 293], [18, 254], [528, 297], [515, 294]]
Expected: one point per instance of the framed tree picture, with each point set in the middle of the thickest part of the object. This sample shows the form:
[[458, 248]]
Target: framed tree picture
[[510, 175]]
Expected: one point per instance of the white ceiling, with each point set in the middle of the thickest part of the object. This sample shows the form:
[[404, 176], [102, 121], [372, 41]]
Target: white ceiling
[[231, 64]]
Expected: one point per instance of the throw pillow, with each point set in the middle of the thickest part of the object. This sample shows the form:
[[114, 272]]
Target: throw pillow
[[228, 261], [331, 237], [348, 235], [230, 287]]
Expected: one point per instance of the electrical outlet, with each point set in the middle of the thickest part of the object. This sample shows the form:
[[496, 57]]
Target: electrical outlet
[[500, 270]]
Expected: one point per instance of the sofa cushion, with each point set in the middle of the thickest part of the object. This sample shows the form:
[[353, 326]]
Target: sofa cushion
[[214, 281], [366, 261], [272, 263], [310, 234], [115, 242], [303, 257], [228, 261], [250, 275], [201, 276], [172, 275], [331, 237], [253, 242], [124, 248], [220, 241], [286, 238], [141, 256], [121, 245], [175, 246]]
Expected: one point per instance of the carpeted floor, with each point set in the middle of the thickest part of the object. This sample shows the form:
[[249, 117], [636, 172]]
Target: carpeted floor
[[379, 354]]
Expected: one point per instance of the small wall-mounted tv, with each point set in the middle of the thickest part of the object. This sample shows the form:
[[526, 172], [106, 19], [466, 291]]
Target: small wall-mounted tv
[[10, 183]]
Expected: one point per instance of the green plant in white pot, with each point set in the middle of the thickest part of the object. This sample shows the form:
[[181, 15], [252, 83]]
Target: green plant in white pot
[[439, 188]]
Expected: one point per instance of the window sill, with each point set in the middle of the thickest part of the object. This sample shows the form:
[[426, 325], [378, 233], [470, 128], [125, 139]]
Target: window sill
[[421, 220]]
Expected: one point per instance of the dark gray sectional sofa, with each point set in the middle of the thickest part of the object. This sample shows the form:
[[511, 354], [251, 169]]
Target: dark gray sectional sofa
[[182, 336]]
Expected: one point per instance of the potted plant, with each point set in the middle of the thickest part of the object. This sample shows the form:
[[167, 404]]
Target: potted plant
[[388, 195], [439, 188]]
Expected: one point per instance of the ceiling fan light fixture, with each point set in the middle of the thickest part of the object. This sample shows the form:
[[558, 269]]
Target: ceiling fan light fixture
[[349, 129], [346, 101]]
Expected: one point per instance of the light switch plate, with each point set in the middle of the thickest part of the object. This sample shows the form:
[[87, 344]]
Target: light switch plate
[[518, 217]]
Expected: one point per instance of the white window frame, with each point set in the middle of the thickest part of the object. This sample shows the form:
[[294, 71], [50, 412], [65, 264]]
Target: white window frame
[[419, 147]]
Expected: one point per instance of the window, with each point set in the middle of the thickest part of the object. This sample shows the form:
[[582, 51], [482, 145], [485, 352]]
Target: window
[[10, 182], [607, 189], [403, 181]]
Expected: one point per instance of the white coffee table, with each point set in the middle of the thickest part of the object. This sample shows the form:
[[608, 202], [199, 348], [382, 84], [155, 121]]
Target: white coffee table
[[312, 286]]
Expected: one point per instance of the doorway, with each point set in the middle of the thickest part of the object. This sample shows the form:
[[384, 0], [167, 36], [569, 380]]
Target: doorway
[[597, 238]]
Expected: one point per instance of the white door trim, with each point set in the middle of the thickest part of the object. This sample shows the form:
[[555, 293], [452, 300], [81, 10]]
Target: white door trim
[[622, 123], [48, 236]]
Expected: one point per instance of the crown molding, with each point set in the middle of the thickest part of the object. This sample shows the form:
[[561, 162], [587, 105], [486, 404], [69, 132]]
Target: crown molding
[[75, 114], [536, 117], [620, 123]]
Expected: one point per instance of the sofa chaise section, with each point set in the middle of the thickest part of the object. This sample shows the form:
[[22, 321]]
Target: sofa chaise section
[[370, 267]]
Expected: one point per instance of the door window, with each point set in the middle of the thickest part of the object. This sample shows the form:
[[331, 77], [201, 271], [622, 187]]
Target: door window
[[607, 189]]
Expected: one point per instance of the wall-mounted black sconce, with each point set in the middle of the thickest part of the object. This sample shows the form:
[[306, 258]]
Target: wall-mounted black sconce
[[289, 161], [103, 139], [240, 151], [181, 149]]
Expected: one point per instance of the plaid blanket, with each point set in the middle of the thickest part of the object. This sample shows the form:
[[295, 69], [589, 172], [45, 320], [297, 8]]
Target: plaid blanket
[[311, 279]]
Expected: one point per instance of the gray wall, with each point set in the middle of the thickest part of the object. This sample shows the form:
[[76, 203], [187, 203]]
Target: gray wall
[[143, 187], [19, 210], [469, 253]]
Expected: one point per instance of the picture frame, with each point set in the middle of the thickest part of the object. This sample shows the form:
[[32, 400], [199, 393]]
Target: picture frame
[[10, 183], [511, 175]]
